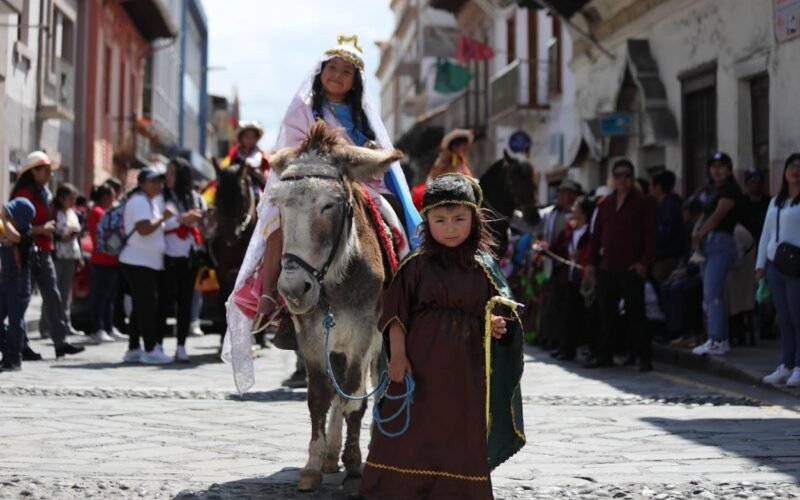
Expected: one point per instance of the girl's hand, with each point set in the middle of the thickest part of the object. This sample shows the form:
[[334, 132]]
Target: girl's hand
[[760, 273], [48, 228], [498, 326], [190, 217], [398, 367]]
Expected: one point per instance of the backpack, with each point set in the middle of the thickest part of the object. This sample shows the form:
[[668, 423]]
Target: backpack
[[111, 235]]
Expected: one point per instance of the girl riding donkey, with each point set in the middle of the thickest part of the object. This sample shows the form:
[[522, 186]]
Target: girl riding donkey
[[335, 93], [439, 314]]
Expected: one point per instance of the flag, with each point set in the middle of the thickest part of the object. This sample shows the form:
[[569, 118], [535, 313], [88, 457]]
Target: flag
[[233, 121], [450, 77], [471, 50]]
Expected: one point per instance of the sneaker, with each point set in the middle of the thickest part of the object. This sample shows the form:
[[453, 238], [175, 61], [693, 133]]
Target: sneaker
[[195, 330], [100, 337], [779, 376], [297, 380], [181, 356], [156, 357], [712, 348], [133, 356], [794, 380], [116, 335]]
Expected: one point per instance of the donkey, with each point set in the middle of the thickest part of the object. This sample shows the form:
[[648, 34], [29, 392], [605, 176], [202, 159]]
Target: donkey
[[331, 261]]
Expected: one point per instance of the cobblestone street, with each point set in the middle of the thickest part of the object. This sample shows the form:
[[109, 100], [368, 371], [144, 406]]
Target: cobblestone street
[[92, 427]]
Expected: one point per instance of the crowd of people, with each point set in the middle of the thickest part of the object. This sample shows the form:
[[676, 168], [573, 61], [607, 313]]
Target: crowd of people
[[633, 262], [44, 245]]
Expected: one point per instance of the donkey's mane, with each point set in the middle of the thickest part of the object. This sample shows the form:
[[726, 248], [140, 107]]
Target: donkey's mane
[[320, 139]]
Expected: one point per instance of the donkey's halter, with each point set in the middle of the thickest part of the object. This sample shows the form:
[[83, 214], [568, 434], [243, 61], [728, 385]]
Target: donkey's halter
[[347, 216]]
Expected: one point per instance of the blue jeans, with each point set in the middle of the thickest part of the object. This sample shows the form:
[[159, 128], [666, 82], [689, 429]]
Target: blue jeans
[[102, 295], [786, 295], [15, 293], [720, 253]]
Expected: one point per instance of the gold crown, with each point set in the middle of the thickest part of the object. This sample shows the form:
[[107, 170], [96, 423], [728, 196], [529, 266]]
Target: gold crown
[[347, 48]]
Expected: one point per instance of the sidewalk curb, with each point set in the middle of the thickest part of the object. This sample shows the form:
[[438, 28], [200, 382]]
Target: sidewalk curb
[[714, 365]]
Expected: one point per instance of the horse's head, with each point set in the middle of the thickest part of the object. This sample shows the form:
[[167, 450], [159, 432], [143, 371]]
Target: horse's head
[[315, 199], [510, 184], [234, 203]]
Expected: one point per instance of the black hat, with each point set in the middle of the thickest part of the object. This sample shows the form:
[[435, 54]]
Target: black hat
[[452, 189], [570, 185], [722, 158], [752, 173]]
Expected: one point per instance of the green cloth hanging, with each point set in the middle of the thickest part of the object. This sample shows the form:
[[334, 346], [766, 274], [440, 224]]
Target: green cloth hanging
[[451, 77]]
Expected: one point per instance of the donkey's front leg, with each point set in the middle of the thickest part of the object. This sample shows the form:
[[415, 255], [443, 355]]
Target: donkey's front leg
[[319, 401]]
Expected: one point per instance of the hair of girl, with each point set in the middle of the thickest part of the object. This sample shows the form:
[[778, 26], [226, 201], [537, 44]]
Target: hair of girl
[[184, 184], [456, 143], [27, 181], [100, 192], [63, 191], [783, 194], [586, 205], [353, 98]]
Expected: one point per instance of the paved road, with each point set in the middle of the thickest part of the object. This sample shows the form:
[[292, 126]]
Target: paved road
[[92, 427]]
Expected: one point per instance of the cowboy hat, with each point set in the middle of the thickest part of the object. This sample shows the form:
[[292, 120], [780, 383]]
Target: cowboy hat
[[36, 159], [457, 133], [250, 125]]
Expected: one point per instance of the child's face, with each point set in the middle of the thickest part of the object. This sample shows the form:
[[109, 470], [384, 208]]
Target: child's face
[[337, 78], [69, 200], [450, 226]]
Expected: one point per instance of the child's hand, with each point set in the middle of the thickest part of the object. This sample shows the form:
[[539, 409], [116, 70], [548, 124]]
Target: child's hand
[[398, 367], [498, 326]]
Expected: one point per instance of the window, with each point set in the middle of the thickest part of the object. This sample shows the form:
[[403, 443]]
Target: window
[[107, 81], [554, 59], [511, 39], [63, 40], [533, 57], [23, 20], [699, 126], [759, 112]]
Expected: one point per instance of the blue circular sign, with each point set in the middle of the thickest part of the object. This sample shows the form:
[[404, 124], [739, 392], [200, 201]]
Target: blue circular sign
[[520, 142]]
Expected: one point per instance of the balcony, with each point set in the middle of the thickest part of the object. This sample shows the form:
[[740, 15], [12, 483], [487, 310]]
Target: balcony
[[134, 149], [58, 93], [510, 89]]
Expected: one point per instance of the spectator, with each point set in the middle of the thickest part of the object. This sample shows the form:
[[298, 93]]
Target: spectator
[[67, 243], [104, 273], [32, 184], [141, 260], [623, 248], [755, 202], [182, 240], [670, 234], [715, 235], [781, 236], [574, 244], [740, 290], [16, 247], [116, 185]]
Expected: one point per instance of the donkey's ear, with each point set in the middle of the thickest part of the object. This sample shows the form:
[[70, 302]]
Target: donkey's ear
[[281, 159], [362, 164]]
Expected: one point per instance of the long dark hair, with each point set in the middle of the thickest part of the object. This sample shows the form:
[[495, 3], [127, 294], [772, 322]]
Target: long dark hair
[[353, 98], [64, 190], [26, 181], [100, 192], [480, 239], [783, 194], [182, 193]]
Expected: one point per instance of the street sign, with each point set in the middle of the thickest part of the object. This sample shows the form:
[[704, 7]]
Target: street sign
[[616, 124], [787, 19]]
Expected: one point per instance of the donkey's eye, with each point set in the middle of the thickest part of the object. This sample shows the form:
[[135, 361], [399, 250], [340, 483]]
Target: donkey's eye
[[327, 207]]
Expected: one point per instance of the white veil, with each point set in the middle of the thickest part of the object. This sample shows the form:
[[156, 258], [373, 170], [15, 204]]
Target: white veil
[[237, 347]]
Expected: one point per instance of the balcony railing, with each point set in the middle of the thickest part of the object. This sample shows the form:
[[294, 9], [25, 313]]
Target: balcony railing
[[510, 89]]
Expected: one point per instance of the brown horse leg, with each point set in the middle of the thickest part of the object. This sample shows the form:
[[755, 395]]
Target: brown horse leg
[[353, 412], [319, 401]]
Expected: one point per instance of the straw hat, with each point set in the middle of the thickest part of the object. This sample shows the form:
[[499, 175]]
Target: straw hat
[[458, 133], [244, 126], [35, 159]]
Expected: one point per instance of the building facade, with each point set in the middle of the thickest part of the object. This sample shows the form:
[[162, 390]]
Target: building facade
[[193, 77]]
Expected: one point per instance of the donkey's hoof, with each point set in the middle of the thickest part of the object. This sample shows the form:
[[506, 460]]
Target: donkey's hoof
[[351, 485], [330, 465], [309, 480]]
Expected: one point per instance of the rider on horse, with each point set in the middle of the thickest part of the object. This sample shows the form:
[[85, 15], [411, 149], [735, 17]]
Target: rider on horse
[[246, 153]]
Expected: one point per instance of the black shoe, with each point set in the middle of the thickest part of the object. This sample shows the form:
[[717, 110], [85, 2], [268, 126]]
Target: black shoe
[[565, 357], [599, 363], [66, 348], [29, 354], [555, 354], [630, 361], [296, 381], [11, 368]]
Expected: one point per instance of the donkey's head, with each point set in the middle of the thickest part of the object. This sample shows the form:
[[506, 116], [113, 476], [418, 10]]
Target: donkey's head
[[316, 204]]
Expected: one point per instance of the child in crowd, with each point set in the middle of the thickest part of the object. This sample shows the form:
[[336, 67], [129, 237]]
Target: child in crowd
[[439, 315], [16, 245]]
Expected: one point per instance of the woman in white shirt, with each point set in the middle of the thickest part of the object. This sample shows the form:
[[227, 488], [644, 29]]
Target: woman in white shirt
[[182, 238], [141, 261], [782, 229], [67, 255]]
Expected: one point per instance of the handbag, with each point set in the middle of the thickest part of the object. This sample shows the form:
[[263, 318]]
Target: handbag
[[247, 296], [787, 256]]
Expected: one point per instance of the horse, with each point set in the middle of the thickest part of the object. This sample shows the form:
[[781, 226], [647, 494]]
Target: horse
[[509, 184], [331, 262], [234, 219]]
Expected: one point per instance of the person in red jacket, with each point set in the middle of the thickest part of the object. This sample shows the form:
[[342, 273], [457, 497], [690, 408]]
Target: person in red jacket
[[574, 244], [247, 152], [32, 179], [623, 249]]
